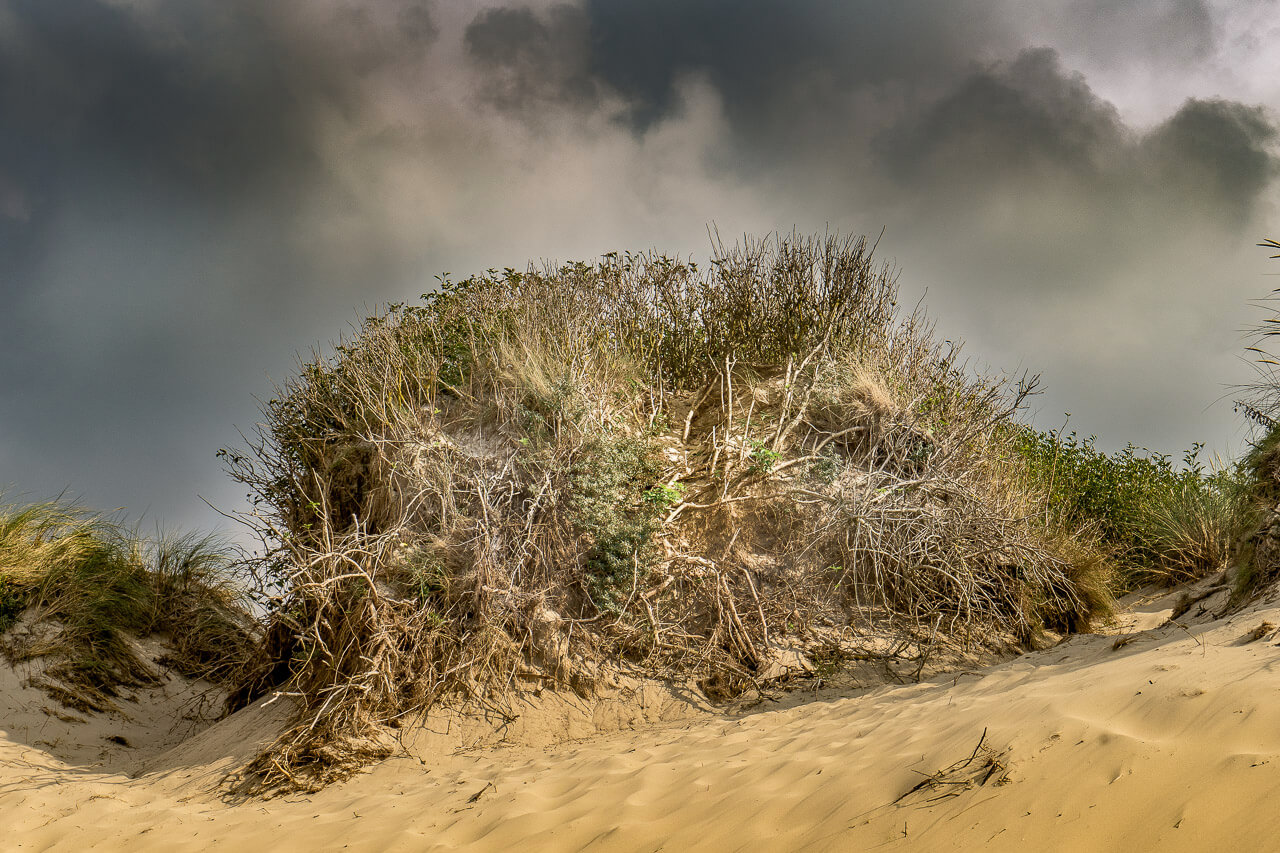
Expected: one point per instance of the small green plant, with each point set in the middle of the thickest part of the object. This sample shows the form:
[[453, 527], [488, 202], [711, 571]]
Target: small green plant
[[659, 423], [919, 451], [428, 578], [762, 458], [826, 467], [662, 497]]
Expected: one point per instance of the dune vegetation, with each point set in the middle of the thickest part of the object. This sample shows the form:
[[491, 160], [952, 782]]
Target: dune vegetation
[[1257, 556], [722, 476], [77, 592], [707, 473], [1157, 521]]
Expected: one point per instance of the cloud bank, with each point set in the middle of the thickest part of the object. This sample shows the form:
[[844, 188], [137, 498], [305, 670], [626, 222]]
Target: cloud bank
[[192, 192]]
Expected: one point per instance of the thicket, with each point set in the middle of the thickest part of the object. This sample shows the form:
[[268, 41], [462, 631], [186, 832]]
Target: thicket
[[534, 477], [1160, 522], [77, 591]]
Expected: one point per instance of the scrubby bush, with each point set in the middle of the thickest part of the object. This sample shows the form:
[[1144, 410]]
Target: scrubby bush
[[536, 475], [1257, 551], [1258, 556]]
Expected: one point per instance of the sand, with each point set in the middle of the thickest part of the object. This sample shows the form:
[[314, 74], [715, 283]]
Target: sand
[[1159, 735]]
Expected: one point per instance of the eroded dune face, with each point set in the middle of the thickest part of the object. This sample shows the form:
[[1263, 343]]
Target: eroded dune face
[[1166, 736]]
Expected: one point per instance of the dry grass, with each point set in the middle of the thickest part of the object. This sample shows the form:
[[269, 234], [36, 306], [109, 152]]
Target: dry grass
[[1196, 531], [541, 475]]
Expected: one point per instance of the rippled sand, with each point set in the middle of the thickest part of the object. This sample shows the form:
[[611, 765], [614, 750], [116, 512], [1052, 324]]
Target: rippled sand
[[1166, 739]]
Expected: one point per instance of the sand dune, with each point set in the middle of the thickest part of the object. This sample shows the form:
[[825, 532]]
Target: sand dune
[[1165, 736]]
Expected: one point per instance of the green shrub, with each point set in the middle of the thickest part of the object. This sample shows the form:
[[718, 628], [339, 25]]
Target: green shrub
[[1162, 522], [615, 504]]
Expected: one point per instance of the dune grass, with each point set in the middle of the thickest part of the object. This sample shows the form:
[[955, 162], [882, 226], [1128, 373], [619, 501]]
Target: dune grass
[[77, 591]]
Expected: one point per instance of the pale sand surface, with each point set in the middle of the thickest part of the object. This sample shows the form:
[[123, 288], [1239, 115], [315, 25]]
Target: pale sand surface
[[1169, 742]]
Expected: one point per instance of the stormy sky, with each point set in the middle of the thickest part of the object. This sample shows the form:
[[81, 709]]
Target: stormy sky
[[192, 192]]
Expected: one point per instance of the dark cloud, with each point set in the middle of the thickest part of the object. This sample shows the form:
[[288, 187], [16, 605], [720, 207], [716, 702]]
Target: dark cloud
[[84, 82], [896, 108], [763, 55], [99, 109], [1007, 123], [532, 58], [193, 190], [211, 99], [1217, 152], [160, 163], [811, 80], [771, 58], [1032, 140]]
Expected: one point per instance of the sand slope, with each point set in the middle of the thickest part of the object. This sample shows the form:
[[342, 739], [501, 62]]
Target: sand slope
[[1170, 741]]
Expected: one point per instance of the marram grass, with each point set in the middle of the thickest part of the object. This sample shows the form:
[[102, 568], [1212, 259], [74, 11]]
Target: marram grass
[[77, 590]]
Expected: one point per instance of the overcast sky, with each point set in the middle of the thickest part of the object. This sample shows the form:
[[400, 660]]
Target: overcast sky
[[192, 192]]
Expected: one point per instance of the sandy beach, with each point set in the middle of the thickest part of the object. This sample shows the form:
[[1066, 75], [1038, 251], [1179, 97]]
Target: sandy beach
[[1158, 735]]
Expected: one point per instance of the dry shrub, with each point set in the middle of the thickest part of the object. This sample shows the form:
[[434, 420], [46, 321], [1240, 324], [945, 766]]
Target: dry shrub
[[537, 476]]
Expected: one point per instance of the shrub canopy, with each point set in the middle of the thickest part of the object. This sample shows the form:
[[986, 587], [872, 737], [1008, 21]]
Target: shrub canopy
[[539, 475]]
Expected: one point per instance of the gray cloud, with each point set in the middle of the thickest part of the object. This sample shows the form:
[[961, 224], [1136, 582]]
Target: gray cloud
[[1216, 151], [191, 191], [1006, 124], [1064, 185], [531, 58], [762, 56], [86, 83], [160, 162]]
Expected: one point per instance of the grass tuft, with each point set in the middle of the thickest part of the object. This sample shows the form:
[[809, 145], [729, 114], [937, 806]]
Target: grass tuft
[[76, 591]]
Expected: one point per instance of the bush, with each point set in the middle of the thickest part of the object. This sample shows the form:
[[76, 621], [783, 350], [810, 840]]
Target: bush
[[1259, 552], [1258, 556], [536, 474]]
